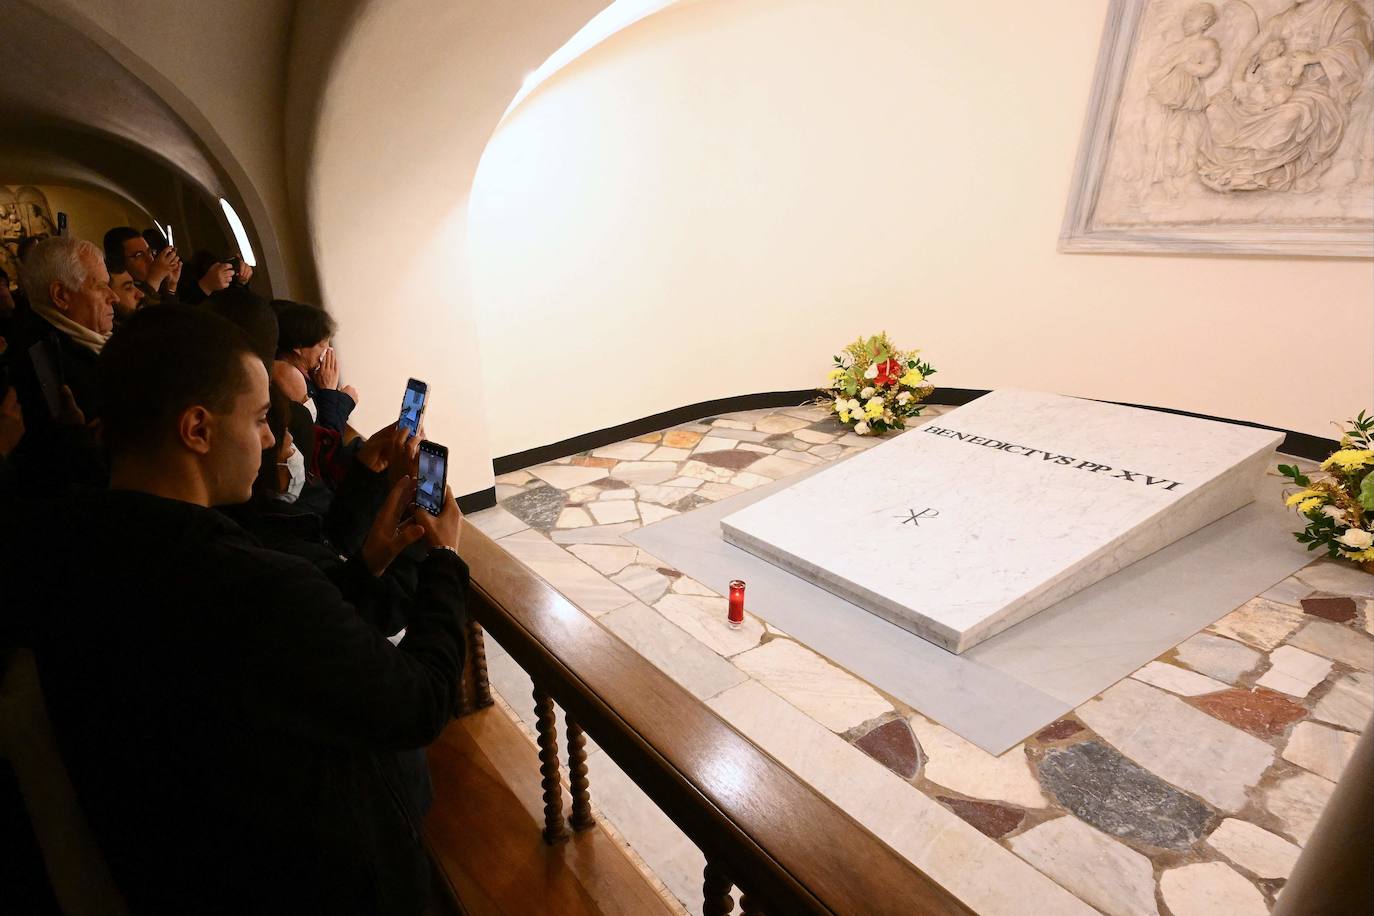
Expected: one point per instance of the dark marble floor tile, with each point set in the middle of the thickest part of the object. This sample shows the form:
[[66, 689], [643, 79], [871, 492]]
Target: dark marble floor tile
[[787, 441], [1341, 610], [894, 746], [1057, 731], [1121, 798], [1261, 712], [670, 573], [993, 820], [736, 459], [610, 483], [538, 507], [690, 502]]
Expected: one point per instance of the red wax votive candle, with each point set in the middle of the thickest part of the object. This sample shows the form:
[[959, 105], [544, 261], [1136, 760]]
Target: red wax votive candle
[[736, 616]]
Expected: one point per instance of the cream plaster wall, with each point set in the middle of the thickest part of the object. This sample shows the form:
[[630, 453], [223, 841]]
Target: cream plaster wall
[[715, 200], [406, 107]]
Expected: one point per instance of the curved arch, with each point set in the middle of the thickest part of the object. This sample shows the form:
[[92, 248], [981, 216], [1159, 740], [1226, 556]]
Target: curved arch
[[384, 189], [617, 17], [206, 159]]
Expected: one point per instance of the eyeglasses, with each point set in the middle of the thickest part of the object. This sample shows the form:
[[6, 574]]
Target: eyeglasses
[[135, 255]]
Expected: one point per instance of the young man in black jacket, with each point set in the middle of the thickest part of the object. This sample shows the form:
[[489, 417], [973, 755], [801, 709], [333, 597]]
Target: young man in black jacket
[[229, 723]]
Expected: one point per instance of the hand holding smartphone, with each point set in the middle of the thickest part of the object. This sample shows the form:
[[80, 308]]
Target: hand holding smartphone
[[413, 405], [432, 481]]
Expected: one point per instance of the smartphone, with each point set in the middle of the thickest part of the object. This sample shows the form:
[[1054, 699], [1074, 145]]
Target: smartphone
[[61, 223], [429, 488], [47, 369], [413, 405]]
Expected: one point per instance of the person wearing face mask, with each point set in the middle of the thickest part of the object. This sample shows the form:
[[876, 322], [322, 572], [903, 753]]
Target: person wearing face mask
[[336, 542], [276, 517], [294, 469], [228, 721]]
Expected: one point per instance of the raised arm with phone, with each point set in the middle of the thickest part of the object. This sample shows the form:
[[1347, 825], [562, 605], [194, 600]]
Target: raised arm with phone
[[432, 482]]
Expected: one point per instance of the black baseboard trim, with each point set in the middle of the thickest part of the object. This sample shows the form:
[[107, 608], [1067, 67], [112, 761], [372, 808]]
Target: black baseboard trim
[[1301, 445], [476, 502]]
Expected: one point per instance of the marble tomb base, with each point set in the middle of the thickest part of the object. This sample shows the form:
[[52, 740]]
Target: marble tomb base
[[1025, 677], [991, 513]]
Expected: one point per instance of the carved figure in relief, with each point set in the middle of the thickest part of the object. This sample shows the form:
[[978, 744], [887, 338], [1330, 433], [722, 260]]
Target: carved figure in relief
[[1176, 86], [1288, 145], [1270, 82], [10, 226]]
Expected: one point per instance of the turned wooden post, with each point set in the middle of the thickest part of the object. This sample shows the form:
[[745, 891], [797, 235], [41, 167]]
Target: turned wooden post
[[546, 724], [715, 892], [577, 772], [474, 690], [749, 905], [480, 685]]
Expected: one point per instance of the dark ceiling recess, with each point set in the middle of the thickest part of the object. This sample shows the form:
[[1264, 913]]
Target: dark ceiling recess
[[71, 114]]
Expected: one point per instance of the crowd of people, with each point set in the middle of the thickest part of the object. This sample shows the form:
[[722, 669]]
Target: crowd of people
[[243, 631]]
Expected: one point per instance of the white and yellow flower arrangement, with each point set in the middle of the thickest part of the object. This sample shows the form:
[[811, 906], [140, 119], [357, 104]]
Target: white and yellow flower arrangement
[[875, 387], [1339, 508]]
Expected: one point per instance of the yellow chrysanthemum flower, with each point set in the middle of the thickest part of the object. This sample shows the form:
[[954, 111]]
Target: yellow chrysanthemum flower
[[844, 416], [1360, 556], [1349, 459], [1310, 504], [912, 378], [874, 409], [836, 373], [1300, 496]]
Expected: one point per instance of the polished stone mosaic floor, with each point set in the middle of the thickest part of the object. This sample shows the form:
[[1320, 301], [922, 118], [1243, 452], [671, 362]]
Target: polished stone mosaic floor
[[1187, 788]]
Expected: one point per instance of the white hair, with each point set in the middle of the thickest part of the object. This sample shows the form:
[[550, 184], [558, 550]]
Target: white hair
[[57, 258]]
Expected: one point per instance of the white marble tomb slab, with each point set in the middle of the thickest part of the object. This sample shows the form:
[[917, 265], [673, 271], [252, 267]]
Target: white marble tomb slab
[[991, 513]]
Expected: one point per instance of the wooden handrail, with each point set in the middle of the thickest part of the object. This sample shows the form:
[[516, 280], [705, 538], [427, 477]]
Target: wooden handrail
[[788, 848]]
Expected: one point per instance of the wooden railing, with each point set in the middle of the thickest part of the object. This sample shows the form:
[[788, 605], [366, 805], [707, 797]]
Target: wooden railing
[[762, 830]]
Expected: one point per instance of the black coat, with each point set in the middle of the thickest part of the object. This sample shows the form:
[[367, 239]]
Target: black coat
[[229, 722], [52, 458], [333, 543], [75, 362]]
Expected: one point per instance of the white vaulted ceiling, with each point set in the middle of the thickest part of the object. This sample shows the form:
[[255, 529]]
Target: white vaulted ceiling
[[62, 85]]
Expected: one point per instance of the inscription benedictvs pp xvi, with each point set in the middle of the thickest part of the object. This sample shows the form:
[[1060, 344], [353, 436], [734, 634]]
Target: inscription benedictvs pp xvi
[[1068, 461]]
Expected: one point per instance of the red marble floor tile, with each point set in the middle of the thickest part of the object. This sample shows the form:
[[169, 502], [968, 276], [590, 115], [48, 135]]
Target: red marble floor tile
[[1261, 712], [1341, 610], [894, 746], [1056, 731], [993, 820]]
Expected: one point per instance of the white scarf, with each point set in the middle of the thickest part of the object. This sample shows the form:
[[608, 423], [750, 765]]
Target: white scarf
[[81, 335]]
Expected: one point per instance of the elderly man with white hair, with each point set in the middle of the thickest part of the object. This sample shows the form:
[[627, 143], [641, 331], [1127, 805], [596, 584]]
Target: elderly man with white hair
[[71, 316]]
